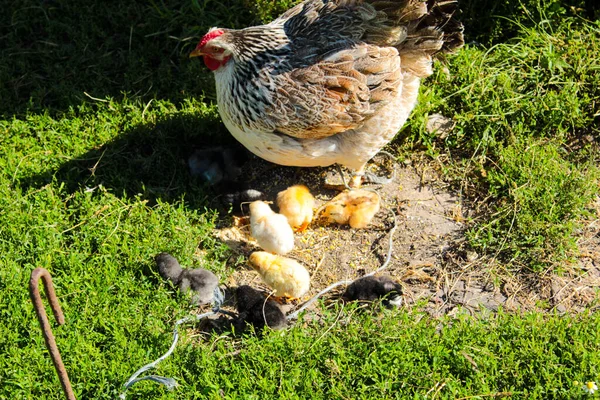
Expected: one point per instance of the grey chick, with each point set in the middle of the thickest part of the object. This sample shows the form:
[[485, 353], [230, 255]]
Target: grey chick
[[255, 309], [200, 281], [169, 267], [373, 288]]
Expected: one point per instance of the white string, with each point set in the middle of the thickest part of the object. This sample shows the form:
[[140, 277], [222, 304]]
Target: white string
[[219, 297], [388, 258], [315, 297], [170, 383], [347, 282]]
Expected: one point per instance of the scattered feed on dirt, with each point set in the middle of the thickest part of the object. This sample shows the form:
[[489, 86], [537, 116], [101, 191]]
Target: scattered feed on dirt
[[431, 258]]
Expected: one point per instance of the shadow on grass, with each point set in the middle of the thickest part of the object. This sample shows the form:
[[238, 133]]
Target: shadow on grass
[[147, 161], [54, 56], [150, 162]]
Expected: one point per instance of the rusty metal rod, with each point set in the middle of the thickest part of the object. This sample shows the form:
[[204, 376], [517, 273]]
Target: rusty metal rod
[[34, 291]]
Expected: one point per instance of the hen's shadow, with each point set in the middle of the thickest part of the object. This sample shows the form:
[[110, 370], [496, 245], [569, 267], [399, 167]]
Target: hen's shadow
[[148, 161]]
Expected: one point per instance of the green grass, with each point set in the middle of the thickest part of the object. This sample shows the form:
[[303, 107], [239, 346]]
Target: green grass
[[100, 108], [519, 108], [542, 198]]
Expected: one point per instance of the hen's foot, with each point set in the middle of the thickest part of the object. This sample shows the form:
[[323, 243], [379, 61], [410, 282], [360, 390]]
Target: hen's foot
[[358, 180], [361, 176], [355, 182], [372, 178]]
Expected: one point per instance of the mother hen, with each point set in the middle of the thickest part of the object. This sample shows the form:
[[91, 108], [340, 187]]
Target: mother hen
[[329, 81]]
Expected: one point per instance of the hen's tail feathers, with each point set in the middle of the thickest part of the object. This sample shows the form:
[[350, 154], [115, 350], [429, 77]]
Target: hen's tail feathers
[[439, 21], [428, 29]]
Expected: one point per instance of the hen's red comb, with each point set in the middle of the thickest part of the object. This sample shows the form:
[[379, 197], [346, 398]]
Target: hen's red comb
[[210, 36]]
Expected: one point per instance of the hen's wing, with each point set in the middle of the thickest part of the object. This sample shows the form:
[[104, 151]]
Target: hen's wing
[[348, 57], [336, 94]]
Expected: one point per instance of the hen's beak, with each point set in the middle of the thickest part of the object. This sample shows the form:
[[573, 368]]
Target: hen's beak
[[196, 53]]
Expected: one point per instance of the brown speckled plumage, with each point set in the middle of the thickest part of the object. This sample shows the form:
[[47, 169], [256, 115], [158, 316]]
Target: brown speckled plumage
[[329, 81]]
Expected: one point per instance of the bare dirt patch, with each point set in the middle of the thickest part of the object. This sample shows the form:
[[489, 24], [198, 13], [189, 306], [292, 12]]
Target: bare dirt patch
[[430, 257]]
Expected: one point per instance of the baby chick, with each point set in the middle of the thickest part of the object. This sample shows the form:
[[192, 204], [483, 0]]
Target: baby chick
[[215, 164], [372, 288], [297, 204], [354, 207], [272, 231], [200, 281], [168, 267], [286, 276], [255, 309], [234, 193]]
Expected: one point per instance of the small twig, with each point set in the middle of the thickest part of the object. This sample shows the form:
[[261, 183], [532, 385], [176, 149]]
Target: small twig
[[130, 37], [437, 391], [93, 169], [470, 360], [144, 113], [327, 330], [214, 343], [95, 98], [436, 387], [34, 291], [319, 265]]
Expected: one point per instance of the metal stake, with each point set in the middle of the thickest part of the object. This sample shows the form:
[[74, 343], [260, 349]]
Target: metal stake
[[34, 291]]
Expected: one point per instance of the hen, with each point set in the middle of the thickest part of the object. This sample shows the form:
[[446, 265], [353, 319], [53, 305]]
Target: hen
[[329, 81]]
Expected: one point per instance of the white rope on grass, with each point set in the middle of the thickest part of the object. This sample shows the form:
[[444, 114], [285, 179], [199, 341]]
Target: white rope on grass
[[171, 383], [315, 297], [219, 298]]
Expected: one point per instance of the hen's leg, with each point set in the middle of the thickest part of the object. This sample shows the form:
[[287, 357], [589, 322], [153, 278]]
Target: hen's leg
[[357, 177], [343, 186], [302, 227], [361, 175]]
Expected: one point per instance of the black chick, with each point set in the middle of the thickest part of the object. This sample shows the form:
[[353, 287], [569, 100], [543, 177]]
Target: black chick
[[372, 288], [200, 281], [255, 309], [221, 167], [235, 193], [216, 164]]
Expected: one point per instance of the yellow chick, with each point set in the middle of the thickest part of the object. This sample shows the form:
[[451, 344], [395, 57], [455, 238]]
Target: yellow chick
[[271, 230], [297, 204], [354, 207], [286, 276]]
